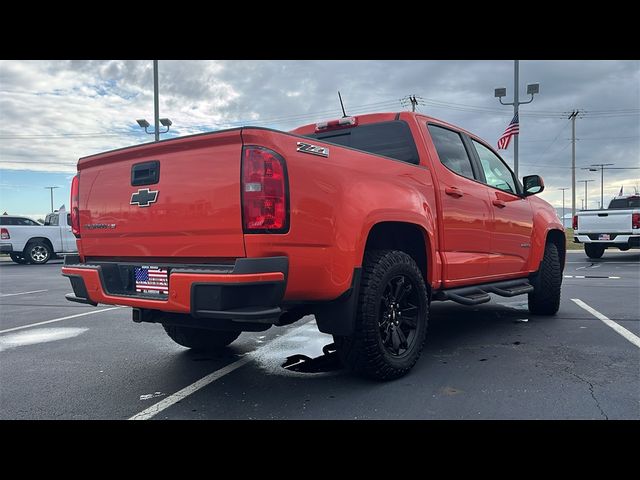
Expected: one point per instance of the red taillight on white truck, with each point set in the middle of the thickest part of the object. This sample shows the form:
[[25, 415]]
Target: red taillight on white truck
[[75, 206], [575, 222], [265, 206], [635, 220], [4, 234]]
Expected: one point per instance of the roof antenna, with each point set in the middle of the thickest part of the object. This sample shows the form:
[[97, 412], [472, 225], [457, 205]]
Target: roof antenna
[[344, 114]]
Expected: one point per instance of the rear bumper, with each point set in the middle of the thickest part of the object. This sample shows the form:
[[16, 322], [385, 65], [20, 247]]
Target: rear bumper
[[6, 248], [250, 290], [617, 241]]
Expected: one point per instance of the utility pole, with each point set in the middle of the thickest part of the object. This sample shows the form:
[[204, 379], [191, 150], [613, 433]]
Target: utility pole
[[51, 189], [586, 198], [532, 89], [572, 117], [156, 101], [563, 189]]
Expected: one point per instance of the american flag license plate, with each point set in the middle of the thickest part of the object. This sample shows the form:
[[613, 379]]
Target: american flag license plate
[[152, 280]]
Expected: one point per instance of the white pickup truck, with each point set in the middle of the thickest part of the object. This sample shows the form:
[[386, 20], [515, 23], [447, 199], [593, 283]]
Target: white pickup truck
[[618, 226], [26, 241]]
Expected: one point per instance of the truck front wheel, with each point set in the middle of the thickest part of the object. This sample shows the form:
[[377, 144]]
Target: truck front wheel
[[593, 250], [545, 298], [199, 339], [391, 322]]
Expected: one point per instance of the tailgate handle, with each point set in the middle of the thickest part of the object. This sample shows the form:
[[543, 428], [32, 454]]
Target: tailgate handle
[[146, 173], [603, 214]]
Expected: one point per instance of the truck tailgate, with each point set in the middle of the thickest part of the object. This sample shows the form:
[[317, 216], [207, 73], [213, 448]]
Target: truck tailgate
[[605, 221], [195, 214]]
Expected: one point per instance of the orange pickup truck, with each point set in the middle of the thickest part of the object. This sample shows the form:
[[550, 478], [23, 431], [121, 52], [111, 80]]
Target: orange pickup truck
[[361, 221]]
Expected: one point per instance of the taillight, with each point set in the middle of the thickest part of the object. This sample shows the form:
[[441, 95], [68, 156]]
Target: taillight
[[345, 122], [75, 206], [575, 222], [265, 206], [635, 220], [4, 234]]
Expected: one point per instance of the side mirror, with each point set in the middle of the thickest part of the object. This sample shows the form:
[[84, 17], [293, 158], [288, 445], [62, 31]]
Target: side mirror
[[533, 184]]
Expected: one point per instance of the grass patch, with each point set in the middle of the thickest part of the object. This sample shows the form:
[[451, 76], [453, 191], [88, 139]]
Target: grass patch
[[570, 244]]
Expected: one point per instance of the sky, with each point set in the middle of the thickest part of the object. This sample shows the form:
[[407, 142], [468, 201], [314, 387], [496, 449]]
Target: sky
[[53, 112]]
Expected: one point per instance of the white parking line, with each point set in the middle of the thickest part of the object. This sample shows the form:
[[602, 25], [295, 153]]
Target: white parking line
[[609, 323], [57, 320], [153, 410], [22, 293]]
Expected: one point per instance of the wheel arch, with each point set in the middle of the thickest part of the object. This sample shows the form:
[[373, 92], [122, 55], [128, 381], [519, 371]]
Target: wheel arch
[[44, 240]]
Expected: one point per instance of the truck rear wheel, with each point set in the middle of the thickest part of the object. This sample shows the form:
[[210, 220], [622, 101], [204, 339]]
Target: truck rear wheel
[[38, 252], [545, 298], [200, 339], [18, 258], [391, 322], [593, 250]]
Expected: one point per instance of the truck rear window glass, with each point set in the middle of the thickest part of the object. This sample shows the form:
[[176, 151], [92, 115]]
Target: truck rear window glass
[[631, 202], [391, 139], [451, 150]]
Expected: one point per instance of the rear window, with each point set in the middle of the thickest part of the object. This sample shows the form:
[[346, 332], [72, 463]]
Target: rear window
[[631, 202], [391, 139]]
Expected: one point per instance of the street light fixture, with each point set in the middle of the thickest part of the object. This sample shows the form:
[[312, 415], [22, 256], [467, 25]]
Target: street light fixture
[[156, 110], [51, 189], [586, 198], [592, 168], [499, 93], [563, 189]]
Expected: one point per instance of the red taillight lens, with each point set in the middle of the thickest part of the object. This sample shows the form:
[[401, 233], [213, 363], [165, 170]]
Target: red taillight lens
[[635, 220], [75, 206], [575, 222], [265, 206], [4, 234]]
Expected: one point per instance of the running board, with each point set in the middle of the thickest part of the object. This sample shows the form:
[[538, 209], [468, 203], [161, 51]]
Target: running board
[[477, 294]]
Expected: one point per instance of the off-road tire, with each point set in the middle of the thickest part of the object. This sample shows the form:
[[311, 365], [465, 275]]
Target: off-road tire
[[199, 339], [364, 352], [545, 298], [594, 250]]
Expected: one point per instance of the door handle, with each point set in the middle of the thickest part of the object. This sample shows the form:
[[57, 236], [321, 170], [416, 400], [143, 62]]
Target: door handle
[[499, 203], [453, 191]]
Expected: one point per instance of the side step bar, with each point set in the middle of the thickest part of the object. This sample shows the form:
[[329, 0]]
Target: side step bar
[[477, 294]]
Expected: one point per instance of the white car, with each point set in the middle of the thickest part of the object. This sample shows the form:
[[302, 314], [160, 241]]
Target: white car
[[26, 241], [618, 226]]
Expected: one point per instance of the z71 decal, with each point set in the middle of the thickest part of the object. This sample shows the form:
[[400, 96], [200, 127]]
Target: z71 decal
[[313, 149]]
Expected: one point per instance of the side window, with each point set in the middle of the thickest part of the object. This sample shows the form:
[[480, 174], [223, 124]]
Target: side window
[[451, 151], [68, 219], [51, 219], [497, 174]]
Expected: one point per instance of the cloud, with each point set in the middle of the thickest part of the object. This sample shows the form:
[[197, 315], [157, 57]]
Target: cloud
[[53, 112]]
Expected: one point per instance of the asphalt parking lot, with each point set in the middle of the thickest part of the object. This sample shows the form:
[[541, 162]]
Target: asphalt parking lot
[[60, 360]]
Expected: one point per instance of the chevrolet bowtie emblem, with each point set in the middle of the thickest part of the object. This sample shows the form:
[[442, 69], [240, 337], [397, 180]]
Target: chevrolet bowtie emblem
[[144, 197]]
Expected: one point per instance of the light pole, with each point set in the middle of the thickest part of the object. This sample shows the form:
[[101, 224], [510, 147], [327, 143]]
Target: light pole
[[586, 198], [593, 169], [51, 189], [563, 189], [532, 89], [156, 110]]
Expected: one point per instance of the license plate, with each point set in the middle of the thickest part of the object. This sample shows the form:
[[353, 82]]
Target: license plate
[[153, 280], [604, 236]]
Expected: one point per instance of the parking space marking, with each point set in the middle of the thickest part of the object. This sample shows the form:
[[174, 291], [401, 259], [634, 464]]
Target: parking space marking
[[588, 276], [608, 322], [22, 293], [153, 410], [57, 320]]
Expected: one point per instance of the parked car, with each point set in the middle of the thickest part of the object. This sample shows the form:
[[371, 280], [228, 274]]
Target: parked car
[[27, 241], [361, 221], [618, 226]]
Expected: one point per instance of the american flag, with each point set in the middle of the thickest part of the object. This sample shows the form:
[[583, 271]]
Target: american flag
[[152, 279], [512, 129]]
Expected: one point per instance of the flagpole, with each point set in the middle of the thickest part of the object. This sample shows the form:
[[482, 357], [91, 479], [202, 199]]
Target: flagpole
[[516, 74]]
